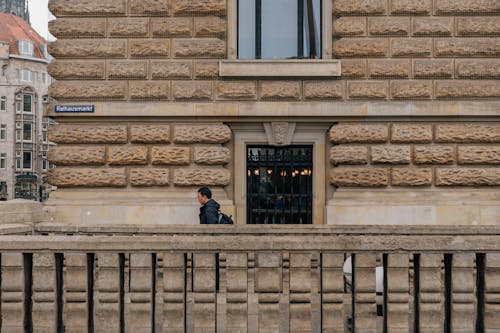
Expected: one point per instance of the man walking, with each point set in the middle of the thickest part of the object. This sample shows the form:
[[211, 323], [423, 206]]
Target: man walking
[[209, 210]]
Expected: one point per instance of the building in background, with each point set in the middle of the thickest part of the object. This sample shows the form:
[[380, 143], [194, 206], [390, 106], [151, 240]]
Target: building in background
[[23, 91], [16, 7]]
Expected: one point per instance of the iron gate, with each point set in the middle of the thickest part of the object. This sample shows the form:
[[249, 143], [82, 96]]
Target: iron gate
[[279, 185]]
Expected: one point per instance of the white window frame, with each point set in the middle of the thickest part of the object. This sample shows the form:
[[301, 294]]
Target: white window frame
[[31, 132], [26, 48], [32, 100], [3, 103], [4, 71], [3, 160], [31, 160], [3, 132], [26, 75]]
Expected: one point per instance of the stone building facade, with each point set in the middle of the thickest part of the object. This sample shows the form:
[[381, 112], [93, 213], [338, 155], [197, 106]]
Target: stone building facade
[[397, 108]]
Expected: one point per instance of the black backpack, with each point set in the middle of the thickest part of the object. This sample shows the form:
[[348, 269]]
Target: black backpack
[[224, 219]]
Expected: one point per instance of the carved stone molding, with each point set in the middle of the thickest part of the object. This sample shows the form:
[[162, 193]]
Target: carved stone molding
[[279, 133]]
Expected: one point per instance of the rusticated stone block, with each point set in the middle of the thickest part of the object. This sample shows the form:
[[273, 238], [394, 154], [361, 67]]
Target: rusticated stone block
[[171, 26], [368, 89], [411, 47], [149, 90], [466, 7], [170, 155], [413, 7], [127, 155], [77, 155], [433, 154], [206, 68], [199, 48], [277, 90], [411, 89], [82, 70], [478, 26], [361, 47], [467, 89], [389, 26], [428, 68], [150, 133], [196, 90], [88, 90], [411, 176], [153, 7], [78, 27], [202, 177], [236, 90], [202, 133], [359, 7], [143, 48], [468, 177], [324, 89], [478, 68], [349, 26], [468, 133], [83, 133], [479, 155], [87, 48], [359, 177], [349, 155], [406, 133], [387, 68], [149, 176], [353, 68], [86, 7], [87, 177], [390, 154], [199, 7], [129, 26], [433, 26], [130, 69], [212, 155], [467, 47], [359, 133], [171, 69], [210, 26]]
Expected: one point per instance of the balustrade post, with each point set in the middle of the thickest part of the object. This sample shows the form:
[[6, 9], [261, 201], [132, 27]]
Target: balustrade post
[[332, 288], [300, 292], [12, 293], [398, 293], [75, 308], [173, 292], [237, 292], [464, 302], [138, 295], [204, 307], [492, 293], [107, 293], [431, 293], [44, 293], [365, 293], [268, 286]]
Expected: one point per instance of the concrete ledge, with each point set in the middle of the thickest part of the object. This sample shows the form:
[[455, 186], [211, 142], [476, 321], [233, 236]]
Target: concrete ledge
[[279, 68], [21, 211]]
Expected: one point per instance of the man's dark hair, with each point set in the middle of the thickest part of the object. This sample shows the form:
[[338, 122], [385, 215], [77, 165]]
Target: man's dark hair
[[205, 191]]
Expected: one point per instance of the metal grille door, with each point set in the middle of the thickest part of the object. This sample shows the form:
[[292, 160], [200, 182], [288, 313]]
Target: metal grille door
[[279, 185]]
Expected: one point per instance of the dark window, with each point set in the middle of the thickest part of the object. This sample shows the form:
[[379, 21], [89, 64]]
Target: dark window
[[27, 103], [27, 160], [279, 185], [279, 29]]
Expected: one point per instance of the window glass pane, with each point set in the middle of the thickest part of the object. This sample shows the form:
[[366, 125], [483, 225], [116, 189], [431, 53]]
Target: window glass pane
[[27, 103], [279, 29], [27, 132], [246, 29], [3, 132], [3, 103], [27, 160], [314, 27]]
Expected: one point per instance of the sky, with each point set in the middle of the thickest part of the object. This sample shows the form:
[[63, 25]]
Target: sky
[[39, 17]]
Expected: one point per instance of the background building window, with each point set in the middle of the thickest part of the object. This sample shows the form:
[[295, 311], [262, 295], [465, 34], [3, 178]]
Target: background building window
[[3, 132], [3, 103], [26, 48], [27, 132], [18, 164], [27, 103], [3, 160], [26, 75], [4, 71], [279, 29], [26, 160]]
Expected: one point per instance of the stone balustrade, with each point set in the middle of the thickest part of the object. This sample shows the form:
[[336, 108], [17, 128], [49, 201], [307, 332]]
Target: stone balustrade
[[126, 278]]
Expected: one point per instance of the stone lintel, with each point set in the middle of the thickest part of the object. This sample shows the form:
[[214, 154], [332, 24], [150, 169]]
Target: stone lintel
[[279, 68]]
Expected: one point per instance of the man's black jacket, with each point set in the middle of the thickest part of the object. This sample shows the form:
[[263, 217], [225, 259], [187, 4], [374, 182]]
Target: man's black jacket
[[209, 212]]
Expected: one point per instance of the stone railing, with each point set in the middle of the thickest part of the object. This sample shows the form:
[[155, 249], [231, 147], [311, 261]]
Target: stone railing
[[249, 279]]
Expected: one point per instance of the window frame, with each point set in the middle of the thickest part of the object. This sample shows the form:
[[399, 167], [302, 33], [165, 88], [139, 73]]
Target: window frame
[[30, 76], [26, 48], [3, 160], [3, 132], [31, 160], [3, 104]]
